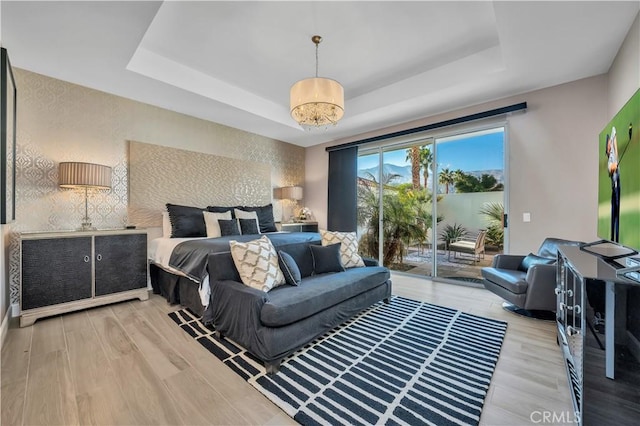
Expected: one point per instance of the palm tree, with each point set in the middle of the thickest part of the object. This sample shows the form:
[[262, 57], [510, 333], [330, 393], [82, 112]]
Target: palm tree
[[413, 155], [494, 211], [399, 223], [446, 178], [495, 230], [426, 158]]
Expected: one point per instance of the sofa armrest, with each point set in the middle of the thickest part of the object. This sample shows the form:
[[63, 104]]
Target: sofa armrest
[[369, 261], [507, 261], [236, 308], [542, 283]]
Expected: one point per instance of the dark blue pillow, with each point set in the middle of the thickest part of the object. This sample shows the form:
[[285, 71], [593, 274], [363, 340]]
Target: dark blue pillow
[[186, 221], [326, 258], [248, 226], [228, 227], [220, 209], [265, 217], [289, 267], [532, 259]]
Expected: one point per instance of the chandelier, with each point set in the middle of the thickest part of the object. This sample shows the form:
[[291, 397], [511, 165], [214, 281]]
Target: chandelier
[[317, 102]]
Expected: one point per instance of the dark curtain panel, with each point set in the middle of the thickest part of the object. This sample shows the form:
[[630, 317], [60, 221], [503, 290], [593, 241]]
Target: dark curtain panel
[[342, 202]]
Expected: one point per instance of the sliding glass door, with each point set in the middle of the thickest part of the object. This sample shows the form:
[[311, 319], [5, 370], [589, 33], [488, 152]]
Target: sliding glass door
[[470, 187], [434, 207]]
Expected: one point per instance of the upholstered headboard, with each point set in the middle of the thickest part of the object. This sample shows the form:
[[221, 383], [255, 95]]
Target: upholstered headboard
[[160, 175]]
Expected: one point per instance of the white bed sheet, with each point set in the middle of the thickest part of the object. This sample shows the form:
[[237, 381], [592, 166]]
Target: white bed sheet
[[159, 252]]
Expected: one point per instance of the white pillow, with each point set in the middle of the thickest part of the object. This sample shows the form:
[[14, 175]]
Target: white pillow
[[166, 225], [211, 222], [241, 214], [257, 263], [348, 247]]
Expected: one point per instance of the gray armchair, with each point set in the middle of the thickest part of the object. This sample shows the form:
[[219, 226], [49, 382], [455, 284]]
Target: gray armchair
[[527, 283]]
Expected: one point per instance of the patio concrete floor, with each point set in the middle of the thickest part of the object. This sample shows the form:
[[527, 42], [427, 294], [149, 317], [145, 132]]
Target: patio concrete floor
[[449, 266]]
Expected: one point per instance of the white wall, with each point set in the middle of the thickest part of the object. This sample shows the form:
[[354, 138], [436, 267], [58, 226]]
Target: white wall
[[552, 161], [552, 151], [624, 74], [463, 208], [4, 253]]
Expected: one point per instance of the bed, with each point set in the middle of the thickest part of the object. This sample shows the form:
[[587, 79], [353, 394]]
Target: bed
[[178, 260], [178, 266]]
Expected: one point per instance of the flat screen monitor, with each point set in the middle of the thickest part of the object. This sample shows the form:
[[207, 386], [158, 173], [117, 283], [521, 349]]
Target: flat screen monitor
[[619, 181]]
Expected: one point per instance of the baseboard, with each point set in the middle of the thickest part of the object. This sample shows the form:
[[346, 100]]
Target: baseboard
[[634, 345], [4, 328]]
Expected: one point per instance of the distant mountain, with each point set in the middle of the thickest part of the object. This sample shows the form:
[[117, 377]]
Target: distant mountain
[[496, 173], [403, 171]]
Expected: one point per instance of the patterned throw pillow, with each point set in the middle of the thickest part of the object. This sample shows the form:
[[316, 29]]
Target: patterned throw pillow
[[348, 249], [257, 263]]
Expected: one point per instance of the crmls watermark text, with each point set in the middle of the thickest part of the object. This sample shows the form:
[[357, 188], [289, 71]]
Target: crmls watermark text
[[553, 417]]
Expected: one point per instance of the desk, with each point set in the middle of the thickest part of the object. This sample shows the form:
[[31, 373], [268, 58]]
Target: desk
[[605, 384]]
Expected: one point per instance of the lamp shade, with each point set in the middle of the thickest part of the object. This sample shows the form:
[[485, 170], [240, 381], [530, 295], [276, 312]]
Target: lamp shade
[[317, 102], [89, 175], [292, 193]]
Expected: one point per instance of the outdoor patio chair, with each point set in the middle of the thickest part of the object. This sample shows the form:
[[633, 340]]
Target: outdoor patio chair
[[430, 243], [474, 247]]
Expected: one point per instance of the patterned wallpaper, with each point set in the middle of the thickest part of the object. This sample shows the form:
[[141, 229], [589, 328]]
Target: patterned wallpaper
[[190, 178], [58, 121]]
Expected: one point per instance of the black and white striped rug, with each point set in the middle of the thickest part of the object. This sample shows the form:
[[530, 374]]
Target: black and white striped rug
[[406, 362]]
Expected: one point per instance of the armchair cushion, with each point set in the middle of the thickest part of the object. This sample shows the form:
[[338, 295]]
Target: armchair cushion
[[532, 259], [510, 279]]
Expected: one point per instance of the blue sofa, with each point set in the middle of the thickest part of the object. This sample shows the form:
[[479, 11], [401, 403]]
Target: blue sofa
[[275, 324]]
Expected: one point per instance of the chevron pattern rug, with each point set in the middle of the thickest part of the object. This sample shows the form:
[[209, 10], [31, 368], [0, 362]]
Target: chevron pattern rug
[[406, 362]]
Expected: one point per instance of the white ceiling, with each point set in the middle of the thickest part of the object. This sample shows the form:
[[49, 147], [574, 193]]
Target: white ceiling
[[234, 62]]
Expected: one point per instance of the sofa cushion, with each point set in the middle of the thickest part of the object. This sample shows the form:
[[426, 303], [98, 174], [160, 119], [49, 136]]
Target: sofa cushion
[[509, 279], [287, 304], [257, 263], [301, 253], [348, 247], [289, 268], [326, 258], [532, 259]]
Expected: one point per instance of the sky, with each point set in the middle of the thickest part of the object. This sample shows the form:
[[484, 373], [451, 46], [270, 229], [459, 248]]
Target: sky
[[470, 153]]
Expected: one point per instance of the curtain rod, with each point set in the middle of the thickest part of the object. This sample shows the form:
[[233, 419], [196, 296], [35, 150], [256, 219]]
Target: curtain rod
[[451, 122]]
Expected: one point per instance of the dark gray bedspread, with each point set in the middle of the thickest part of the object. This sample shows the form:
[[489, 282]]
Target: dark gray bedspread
[[190, 257]]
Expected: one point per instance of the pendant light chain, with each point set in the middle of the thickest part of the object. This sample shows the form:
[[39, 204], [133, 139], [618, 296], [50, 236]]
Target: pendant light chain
[[317, 59]]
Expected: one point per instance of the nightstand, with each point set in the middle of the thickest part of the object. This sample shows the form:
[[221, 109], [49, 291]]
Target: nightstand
[[300, 226], [67, 271]]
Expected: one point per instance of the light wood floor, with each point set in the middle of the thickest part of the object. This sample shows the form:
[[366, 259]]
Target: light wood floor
[[130, 364]]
